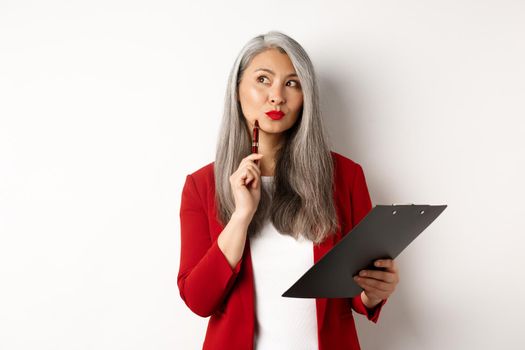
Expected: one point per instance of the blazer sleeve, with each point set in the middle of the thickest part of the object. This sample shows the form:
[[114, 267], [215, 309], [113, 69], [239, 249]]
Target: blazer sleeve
[[361, 204], [205, 276]]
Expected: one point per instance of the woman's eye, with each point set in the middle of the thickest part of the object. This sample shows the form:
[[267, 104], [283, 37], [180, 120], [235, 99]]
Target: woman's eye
[[261, 77], [294, 83]]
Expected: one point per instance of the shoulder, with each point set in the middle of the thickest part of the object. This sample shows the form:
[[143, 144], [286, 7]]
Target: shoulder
[[203, 172], [199, 188], [203, 177], [344, 166], [348, 176]]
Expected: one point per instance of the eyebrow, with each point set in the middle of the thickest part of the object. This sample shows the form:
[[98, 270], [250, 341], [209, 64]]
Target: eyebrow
[[272, 72]]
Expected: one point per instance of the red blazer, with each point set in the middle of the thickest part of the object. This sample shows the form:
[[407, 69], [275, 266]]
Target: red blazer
[[210, 287]]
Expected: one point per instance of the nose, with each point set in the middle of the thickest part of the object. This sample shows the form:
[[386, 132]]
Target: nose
[[276, 96]]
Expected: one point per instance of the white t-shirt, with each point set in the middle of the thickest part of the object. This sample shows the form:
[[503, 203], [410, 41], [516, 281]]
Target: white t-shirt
[[278, 261]]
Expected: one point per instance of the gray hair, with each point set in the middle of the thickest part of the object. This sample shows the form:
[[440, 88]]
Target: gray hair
[[301, 200]]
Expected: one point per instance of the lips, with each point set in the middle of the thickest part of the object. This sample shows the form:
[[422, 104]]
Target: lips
[[275, 115]]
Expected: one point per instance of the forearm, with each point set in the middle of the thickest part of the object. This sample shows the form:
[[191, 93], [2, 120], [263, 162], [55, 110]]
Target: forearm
[[232, 239], [204, 285]]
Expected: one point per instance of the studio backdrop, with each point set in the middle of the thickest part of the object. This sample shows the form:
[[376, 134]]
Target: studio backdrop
[[106, 106]]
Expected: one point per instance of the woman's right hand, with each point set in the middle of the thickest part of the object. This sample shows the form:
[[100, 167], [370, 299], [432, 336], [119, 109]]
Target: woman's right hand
[[246, 186]]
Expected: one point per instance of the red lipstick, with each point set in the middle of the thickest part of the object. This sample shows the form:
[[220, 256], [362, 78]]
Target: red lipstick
[[275, 115], [255, 140]]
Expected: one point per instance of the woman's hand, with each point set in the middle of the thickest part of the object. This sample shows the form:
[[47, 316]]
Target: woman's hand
[[378, 285], [246, 185]]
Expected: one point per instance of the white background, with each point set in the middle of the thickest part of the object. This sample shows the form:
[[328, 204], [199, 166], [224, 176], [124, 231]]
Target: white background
[[105, 106]]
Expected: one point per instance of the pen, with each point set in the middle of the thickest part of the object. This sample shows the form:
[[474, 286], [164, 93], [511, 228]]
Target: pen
[[255, 140]]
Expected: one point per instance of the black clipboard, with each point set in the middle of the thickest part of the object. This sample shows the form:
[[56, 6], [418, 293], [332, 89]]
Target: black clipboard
[[383, 233]]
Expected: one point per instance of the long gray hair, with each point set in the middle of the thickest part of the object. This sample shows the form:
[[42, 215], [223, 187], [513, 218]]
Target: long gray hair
[[301, 200]]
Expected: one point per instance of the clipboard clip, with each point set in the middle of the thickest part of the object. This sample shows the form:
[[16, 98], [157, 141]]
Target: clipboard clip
[[396, 204], [395, 211]]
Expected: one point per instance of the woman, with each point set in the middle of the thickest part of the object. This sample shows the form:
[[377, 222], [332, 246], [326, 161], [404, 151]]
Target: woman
[[252, 224]]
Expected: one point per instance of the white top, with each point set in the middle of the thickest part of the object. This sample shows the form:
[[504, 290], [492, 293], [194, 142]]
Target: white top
[[278, 261]]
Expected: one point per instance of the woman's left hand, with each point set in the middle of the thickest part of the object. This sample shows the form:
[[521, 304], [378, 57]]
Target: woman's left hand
[[378, 285]]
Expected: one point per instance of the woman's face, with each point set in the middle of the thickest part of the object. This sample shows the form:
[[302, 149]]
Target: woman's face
[[270, 83]]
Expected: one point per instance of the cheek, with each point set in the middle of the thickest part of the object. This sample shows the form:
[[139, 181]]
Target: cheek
[[298, 105], [251, 97], [297, 99], [255, 95]]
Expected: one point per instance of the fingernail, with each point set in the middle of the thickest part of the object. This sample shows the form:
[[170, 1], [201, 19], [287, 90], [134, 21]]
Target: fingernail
[[362, 273], [378, 263]]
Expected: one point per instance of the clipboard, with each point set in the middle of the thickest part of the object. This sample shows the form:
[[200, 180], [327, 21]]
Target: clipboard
[[382, 234]]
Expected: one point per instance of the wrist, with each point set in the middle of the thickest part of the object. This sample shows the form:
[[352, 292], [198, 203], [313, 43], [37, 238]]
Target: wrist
[[370, 303], [242, 217]]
